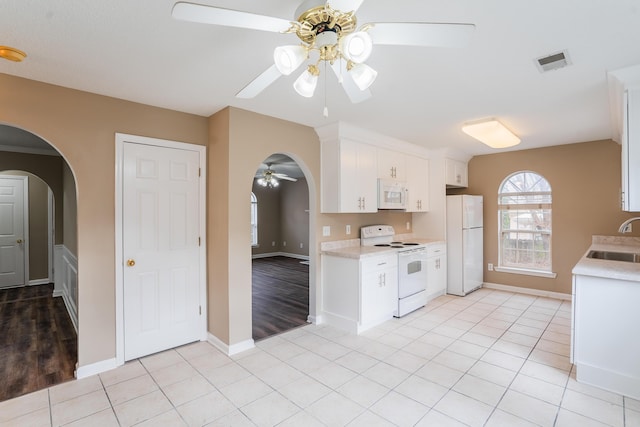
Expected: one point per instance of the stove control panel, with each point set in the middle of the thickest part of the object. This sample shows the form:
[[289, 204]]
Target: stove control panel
[[372, 231]]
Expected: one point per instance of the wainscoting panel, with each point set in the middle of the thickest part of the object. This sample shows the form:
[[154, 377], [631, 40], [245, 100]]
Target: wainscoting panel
[[66, 280]]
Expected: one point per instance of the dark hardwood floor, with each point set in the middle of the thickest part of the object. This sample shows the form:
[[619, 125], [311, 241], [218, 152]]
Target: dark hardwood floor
[[280, 295], [38, 345]]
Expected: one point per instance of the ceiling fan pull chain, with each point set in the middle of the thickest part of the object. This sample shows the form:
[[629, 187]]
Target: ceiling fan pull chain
[[325, 112]]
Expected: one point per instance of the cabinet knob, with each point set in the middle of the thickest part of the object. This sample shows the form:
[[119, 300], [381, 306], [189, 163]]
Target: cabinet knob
[[131, 262], [19, 241]]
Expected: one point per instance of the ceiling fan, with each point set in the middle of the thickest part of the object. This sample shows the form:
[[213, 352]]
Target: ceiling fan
[[269, 177], [328, 34]]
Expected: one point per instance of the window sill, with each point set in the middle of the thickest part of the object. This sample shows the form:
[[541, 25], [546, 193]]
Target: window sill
[[525, 272]]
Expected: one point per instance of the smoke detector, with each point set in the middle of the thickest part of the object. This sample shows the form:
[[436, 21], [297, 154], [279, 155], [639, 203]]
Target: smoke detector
[[554, 61]]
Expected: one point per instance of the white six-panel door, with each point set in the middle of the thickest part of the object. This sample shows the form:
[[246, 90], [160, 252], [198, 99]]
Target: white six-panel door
[[160, 248], [12, 231]]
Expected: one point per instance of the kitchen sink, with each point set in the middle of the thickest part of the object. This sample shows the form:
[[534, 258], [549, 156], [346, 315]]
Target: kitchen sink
[[614, 256]]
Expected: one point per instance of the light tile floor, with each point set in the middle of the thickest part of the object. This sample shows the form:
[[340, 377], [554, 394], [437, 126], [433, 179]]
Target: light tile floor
[[490, 359]]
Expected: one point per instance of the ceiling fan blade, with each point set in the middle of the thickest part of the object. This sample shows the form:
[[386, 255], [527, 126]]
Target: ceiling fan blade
[[284, 176], [260, 83], [345, 5], [353, 91], [227, 17], [421, 34]]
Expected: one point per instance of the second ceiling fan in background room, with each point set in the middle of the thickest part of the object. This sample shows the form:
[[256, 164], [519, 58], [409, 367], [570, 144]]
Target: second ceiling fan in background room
[[330, 37]]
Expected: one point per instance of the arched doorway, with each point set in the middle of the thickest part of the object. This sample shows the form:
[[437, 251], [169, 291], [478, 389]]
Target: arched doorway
[[280, 247], [39, 313]]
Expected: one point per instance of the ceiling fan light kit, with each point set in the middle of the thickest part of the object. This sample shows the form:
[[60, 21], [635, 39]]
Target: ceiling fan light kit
[[327, 29], [492, 133]]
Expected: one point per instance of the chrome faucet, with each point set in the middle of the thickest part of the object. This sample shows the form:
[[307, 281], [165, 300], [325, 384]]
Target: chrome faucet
[[625, 227]]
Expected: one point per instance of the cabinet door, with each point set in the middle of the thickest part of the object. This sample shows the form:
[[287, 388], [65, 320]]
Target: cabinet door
[[631, 152], [418, 184], [456, 173], [391, 165], [358, 183]]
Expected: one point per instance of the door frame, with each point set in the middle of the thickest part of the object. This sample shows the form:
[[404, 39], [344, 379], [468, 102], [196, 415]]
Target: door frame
[[121, 140], [25, 221]]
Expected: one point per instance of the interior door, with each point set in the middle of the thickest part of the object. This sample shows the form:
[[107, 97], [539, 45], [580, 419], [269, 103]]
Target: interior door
[[12, 232], [161, 248]]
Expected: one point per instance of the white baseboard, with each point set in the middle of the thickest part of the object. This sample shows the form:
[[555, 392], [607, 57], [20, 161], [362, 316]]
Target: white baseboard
[[37, 282], [286, 254], [316, 320], [96, 368], [528, 291], [230, 350]]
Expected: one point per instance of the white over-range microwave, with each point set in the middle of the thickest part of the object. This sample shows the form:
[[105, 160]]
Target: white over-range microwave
[[392, 194]]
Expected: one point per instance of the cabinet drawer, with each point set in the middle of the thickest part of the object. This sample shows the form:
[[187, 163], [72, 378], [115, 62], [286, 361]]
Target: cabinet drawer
[[380, 262], [436, 249]]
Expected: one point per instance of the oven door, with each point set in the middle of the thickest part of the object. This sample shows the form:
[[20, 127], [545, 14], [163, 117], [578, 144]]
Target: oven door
[[412, 272]]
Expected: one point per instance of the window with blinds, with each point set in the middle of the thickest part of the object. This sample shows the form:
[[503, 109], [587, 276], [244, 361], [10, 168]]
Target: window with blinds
[[524, 215]]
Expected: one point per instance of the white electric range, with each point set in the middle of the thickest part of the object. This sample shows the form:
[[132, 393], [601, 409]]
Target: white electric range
[[412, 266]]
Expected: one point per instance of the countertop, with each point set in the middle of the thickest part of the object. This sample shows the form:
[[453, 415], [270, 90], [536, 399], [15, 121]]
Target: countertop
[[353, 249], [619, 270]]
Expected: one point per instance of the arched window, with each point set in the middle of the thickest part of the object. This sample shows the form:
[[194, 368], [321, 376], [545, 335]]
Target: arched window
[[524, 215], [254, 220]]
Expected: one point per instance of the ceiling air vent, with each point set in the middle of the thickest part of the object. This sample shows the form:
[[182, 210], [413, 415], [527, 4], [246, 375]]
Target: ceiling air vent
[[553, 61]]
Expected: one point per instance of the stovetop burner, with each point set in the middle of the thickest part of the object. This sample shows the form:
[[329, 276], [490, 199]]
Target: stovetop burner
[[382, 244], [410, 244], [397, 246]]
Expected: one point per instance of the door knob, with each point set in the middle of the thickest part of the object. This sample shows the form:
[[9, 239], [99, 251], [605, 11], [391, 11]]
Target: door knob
[[131, 262], [19, 241]]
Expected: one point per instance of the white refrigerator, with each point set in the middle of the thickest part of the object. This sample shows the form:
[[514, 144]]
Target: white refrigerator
[[464, 244]]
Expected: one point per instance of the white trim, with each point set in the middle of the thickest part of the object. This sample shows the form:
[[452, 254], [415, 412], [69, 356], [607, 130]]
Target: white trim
[[525, 272], [316, 320], [528, 291], [66, 281], [230, 350], [286, 254], [37, 282], [120, 140], [95, 368]]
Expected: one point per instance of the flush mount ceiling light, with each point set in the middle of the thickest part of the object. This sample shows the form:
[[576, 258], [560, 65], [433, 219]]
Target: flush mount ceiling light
[[328, 33], [491, 132], [12, 54]]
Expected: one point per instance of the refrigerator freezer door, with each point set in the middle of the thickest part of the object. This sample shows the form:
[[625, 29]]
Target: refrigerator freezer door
[[472, 211], [472, 259]]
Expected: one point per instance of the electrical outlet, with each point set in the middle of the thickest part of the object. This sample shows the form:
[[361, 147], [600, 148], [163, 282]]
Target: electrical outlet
[[408, 225], [348, 229], [490, 267], [326, 231], [301, 245], [284, 243], [273, 243]]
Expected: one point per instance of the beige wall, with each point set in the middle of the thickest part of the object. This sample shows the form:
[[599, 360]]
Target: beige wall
[[70, 209], [82, 127], [585, 183], [268, 219], [283, 217]]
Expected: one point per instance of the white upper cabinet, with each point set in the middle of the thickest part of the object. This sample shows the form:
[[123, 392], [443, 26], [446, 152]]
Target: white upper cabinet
[[631, 152], [456, 174], [417, 184], [391, 165], [349, 177], [352, 161]]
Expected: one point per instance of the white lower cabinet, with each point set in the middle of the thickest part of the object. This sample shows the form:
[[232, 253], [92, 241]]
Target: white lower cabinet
[[436, 270], [358, 294], [605, 347]]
